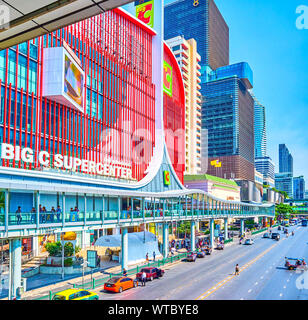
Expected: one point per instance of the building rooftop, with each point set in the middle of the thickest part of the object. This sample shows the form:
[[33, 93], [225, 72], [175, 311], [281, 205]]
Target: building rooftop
[[199, 177]]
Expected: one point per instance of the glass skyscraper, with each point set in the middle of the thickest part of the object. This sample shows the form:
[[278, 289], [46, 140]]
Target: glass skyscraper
[[285, 160], [204, 23], [228, 115], [284, 182], [260, 129], [299, 188]]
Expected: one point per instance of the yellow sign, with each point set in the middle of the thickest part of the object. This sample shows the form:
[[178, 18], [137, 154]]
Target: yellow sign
[[216, 163]]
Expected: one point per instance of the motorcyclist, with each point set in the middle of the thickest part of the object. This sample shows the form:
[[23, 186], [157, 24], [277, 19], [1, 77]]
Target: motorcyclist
[[292, 233]]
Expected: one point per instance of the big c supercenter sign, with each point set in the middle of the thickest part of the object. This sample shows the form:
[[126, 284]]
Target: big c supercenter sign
[[112, 168], [145, 11]]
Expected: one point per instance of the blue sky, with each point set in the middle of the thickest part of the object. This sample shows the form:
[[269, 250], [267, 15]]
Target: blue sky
[[264, 34]]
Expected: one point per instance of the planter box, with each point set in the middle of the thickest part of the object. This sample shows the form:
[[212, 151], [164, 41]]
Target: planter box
[[58, 270]]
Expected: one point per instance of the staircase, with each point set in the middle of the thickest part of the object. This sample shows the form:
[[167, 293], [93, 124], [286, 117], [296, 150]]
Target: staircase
[[36, 261]]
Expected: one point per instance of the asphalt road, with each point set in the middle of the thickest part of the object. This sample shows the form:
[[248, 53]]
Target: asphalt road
[[262, 274]]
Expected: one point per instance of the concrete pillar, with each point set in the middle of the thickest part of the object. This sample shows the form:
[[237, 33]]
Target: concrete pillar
[[85, 239], [242, 226], [116, 231], [192, 236], [165, 240], [124, 248], [226, 228], [15, 267], [35, 246], [212, 233]]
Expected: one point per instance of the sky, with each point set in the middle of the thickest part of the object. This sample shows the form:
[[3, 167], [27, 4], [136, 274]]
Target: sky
[[264, 34]]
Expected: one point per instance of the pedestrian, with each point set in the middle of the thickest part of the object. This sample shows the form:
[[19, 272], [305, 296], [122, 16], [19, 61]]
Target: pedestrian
[[18, 215], [237, 270], [124, 272], [59, 211], [143, 278], [33, 211], [53, 212], [154, 256], [147, 257]]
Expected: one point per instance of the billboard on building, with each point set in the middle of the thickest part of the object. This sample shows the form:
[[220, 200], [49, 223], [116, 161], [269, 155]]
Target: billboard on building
[[63, 78]]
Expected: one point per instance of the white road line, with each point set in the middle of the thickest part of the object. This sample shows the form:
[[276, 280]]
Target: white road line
[[281, 295], [256, 283], [249, 290]]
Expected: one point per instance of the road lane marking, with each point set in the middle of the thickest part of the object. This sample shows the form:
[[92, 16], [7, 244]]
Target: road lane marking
[[229, 278]]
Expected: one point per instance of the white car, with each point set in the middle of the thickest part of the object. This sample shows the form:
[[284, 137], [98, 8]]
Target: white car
[[249, 241]]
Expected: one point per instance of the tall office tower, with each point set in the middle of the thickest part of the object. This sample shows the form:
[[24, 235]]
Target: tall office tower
[[228, 115], [188, 58], [285, 160], [266, 166], [284, 182], [260, 128], [202, 21], [299, 188]]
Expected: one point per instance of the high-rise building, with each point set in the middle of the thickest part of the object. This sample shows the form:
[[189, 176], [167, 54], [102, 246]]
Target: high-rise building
[[203, 22], [260, 129], [285, 160], [284, 182], [299, 188], [266, 166], [188, 58], [228, 115]]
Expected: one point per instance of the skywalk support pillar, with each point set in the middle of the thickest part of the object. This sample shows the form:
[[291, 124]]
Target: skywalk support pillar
[[212, 233], [15, 267], [226, 228], [242, 231], [124, 248], [192, 236], [165, 240]]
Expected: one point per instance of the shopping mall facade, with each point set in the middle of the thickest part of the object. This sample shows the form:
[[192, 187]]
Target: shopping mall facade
[[92, 134]]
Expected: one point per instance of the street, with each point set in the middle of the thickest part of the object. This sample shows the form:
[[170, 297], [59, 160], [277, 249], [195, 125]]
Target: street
[[262, 274]]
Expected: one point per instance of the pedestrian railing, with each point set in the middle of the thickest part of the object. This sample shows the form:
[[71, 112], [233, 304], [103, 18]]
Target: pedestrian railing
[[259, 231], [94, 283]]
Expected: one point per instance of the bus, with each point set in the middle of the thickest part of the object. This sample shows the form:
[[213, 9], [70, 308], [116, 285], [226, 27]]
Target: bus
[[304, 222]]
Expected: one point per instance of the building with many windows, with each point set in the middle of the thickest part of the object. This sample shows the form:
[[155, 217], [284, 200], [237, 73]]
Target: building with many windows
[[203, 22], [260, 129], [266, 166], [299, 188], [228, 115], [188, 58], [284, 182], [285, 159]]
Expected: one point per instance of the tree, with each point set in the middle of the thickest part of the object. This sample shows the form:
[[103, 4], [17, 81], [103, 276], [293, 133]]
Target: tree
[[283, 210]]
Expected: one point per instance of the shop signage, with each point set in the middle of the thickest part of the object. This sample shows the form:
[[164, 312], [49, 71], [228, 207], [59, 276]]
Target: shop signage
[[111, 168]]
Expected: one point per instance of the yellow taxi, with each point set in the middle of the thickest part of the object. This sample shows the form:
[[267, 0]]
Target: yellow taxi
[[75, 294]]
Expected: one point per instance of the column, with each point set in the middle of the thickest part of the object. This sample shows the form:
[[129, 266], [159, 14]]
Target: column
[[192, 236], [38, 200], [15, 267], [35, 246], [165, 240], [6, 208], [242, 226], [124, 248], [226, 228], [212, 233], [63, 209], [85, 239]]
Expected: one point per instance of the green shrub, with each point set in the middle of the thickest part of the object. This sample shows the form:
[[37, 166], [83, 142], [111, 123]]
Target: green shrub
[[68, 262], [54, 248]]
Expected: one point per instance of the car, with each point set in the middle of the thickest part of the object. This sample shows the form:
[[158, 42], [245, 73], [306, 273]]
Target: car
[[220, 246], [298, 264], [75, 294], [249, 242], [191, 257], [119, 284], [275, 236], [266, 235], [208, 250], [201, 254], [151, 273]]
